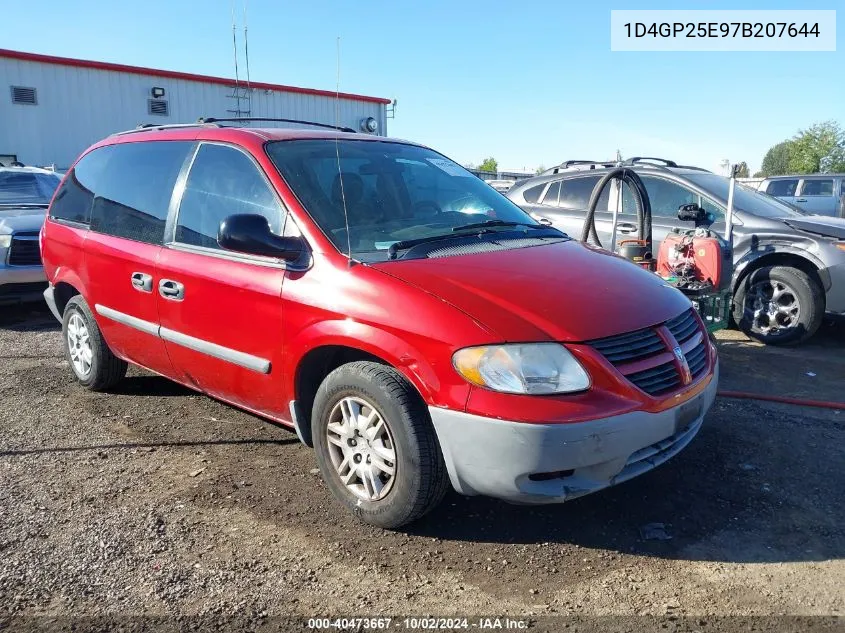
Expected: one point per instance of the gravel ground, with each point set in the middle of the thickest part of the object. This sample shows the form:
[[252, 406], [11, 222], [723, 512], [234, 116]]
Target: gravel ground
[[156, 502]]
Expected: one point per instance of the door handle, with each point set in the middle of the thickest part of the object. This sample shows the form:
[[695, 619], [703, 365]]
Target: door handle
[[800, 199], [142, 282], [172, 290], [626, 227]]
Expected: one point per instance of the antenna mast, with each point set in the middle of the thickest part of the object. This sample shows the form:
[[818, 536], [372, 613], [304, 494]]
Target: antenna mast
[[337, 152], [246, 55]]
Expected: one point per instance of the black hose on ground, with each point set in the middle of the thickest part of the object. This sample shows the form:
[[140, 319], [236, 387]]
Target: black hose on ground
[[641, 201]]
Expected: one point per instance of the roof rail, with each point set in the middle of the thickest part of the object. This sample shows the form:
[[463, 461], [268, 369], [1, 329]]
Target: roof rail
[[645, 159], [340, 128], [572, 163], [145, 127]]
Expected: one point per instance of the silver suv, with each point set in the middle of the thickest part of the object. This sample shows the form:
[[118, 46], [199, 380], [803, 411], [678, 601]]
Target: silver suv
[[789, 267], [25, 193], [817, 194]]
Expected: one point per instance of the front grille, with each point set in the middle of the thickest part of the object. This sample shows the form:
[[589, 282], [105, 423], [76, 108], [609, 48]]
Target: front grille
[[24, 250], [657, 380], [629, 347], [647, 361], [683, 327]]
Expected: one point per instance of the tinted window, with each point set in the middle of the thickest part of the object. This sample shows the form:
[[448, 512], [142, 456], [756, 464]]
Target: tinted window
[[223, 181], [552, 194], [575, 193], [532, 194], [820, 187], [783, 188], [76, 195], [134, 188], [666, 196]]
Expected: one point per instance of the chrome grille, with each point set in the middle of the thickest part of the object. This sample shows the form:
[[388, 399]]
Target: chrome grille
[[24, 250]]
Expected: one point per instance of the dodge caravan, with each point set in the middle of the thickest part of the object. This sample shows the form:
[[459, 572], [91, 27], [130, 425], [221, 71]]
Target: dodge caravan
[[410, 323]]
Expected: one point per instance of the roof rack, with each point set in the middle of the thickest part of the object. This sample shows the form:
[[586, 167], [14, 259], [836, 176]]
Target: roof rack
[[340, 128], [651, 162], [145, 127], [594, 164]]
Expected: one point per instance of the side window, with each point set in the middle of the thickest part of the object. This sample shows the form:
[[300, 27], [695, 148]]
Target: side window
[[552, 194], [782, 188], [75, 198], [817, 187], [223, 181], [134, 187], [575, 193], [532, 194], [666, 196]]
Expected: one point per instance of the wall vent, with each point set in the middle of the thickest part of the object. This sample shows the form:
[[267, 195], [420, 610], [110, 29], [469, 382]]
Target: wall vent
[[157, 106], [24, 96]]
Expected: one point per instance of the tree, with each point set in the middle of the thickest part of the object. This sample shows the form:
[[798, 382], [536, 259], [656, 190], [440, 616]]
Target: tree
[[489, 164], [540, 169], [777, 159], [818, 149], [743, 171]]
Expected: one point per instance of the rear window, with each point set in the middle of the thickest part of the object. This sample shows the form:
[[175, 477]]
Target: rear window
[[27, 187]]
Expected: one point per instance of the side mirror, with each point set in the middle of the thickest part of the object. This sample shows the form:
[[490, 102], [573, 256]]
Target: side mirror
[[692, 213], [250, 233]]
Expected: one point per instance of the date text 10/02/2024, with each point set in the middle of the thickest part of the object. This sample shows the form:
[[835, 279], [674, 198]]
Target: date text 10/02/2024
[[418, 623]]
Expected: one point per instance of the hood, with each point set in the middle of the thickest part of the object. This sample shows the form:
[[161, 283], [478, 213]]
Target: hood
[[21, 219], [563, 292], [819, 224]]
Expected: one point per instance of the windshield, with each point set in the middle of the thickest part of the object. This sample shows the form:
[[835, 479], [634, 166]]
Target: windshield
[[745, 199], [392, 192], [26, 187]]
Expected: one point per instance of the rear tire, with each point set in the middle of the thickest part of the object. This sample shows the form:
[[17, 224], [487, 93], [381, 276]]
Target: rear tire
[[375, 444], [779, 305], [92, 362]]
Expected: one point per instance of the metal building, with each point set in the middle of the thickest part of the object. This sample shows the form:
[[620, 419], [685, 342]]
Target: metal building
[[52, 108]]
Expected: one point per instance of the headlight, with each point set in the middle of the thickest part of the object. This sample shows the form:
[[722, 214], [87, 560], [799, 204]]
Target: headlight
[[5, 241], [840, 245], [533, 368]]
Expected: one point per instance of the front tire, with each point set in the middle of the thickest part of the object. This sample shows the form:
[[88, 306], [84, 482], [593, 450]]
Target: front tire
[[376, 446], [779, 305], [92, 362]]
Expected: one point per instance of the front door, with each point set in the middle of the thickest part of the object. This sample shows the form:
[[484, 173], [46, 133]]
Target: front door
[[221, 312]]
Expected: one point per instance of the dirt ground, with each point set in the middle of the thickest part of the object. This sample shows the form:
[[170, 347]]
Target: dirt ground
[[153, 501]]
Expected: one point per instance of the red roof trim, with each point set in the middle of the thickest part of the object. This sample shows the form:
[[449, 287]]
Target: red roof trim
[[172, 74]]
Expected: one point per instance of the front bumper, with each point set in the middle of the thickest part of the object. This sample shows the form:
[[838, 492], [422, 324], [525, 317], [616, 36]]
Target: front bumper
[[502, 459], [21, 283]]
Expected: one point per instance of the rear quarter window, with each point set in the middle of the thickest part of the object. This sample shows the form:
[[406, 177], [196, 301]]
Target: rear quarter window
[[532, 194], [75, 197]]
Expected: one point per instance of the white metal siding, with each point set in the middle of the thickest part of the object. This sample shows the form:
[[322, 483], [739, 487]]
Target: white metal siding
[[79, 106]]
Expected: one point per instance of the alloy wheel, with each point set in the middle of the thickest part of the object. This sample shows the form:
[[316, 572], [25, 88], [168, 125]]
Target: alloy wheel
[[361, 448], [772, 307], [79, 346]]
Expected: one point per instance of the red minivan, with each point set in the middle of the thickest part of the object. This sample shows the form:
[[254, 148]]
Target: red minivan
[[408, 321]]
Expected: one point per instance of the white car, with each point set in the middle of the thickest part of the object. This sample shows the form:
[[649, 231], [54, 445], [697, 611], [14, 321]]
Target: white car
[[25, 193]]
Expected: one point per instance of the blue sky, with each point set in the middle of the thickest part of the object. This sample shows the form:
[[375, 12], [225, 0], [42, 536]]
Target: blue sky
[[528, 83]]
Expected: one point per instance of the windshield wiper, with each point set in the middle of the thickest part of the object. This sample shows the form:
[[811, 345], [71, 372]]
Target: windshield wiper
[[495, 223], [394, 248]]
